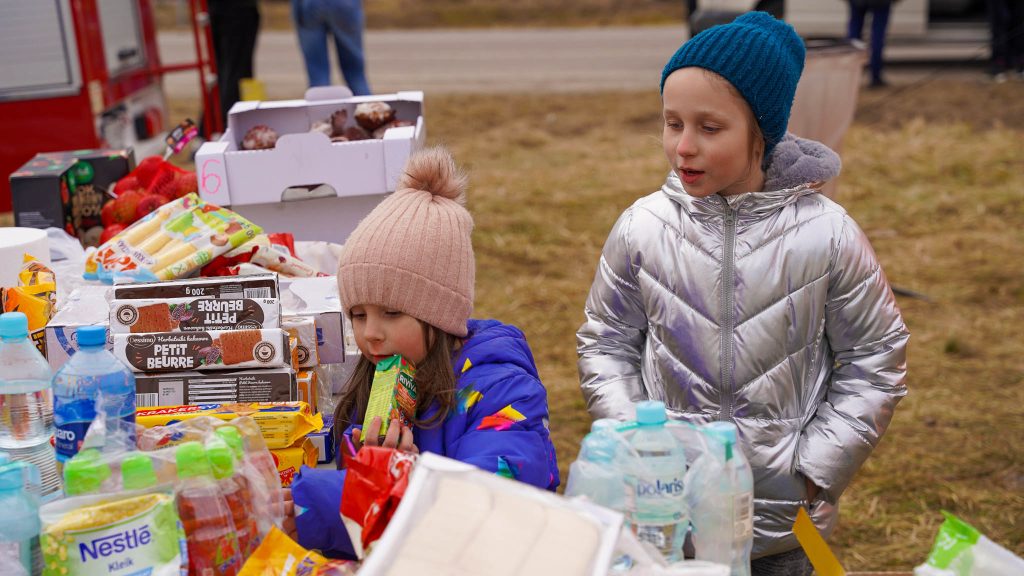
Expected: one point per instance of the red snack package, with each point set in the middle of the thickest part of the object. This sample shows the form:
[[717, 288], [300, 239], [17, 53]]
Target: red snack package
[[376, 481]]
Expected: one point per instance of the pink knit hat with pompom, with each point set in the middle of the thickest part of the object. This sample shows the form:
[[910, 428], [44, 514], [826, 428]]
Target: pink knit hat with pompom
[[413, 252]]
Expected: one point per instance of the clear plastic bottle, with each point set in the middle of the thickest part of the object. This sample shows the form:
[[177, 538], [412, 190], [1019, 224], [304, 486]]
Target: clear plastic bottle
[[19, 533], [209, 527], [92, 381], [595, 473], [726, 533], [26, 406], [235, 489], [657, 509]]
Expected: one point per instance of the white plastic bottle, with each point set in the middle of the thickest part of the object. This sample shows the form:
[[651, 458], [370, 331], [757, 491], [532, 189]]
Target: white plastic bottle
[[725, 530], [26, 405], [657, 510]]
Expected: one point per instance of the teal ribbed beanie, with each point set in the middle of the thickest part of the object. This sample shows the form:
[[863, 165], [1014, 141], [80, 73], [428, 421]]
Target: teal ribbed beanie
[[761, 56]]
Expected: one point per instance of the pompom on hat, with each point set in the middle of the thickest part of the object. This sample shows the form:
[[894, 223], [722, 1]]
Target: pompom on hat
[[761, 56], [412, 253]]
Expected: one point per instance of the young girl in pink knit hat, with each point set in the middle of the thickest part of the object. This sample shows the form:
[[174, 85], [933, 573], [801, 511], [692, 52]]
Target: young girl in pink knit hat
[[406, 281]]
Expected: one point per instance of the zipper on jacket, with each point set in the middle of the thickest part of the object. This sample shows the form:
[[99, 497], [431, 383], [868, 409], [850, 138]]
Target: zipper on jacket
[[728, 311]]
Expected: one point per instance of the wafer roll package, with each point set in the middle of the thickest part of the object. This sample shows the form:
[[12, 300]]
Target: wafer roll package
[[172, 241], [211, 350], [392, 394]]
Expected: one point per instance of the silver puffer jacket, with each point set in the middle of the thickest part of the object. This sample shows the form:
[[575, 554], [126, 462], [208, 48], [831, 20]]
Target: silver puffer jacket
[[768, 309]]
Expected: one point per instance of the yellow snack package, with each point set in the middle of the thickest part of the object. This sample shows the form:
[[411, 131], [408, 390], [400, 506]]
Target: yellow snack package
[[392, 394], [279, 555], [306, 386], [289, 460], [282, 424], [34, 296]]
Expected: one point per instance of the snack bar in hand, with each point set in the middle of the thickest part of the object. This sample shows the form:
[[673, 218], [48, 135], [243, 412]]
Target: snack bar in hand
[[172, 241], [392, 394]]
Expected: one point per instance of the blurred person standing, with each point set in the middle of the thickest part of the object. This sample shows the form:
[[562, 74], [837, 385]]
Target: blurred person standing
[[879, 10], [1006, 23], [315, 22], [234, 25]]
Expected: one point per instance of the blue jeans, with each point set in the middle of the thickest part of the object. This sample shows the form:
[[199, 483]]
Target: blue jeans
[[879, 24], [792, 563], [343, 20]]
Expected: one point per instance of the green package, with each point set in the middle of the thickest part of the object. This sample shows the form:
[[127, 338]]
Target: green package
[[392, 394]]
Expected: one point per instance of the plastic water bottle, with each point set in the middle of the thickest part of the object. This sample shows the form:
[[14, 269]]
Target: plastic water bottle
[[209, 525], [658, 513], [92, 381], [26, 408], [19, 532], [597, 475], [728, 531]]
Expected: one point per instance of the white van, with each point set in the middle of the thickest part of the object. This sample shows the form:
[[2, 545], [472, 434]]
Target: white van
[[910, 19]]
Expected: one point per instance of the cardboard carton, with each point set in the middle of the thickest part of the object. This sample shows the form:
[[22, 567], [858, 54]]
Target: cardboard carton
[[68, 190], [308, 185]]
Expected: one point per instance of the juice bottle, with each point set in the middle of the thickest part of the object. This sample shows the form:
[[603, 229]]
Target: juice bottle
[[235, 490], [209, 527]]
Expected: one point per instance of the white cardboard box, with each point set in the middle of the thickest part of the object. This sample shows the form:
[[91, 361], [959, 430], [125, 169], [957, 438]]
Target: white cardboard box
[[419, 497], [84, 306], [317, 298], [307, 185]]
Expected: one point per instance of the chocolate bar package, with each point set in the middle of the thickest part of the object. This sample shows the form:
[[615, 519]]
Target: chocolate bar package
[[226, 287], [222, 387], [213, 350], [193, 314], [392, 394]]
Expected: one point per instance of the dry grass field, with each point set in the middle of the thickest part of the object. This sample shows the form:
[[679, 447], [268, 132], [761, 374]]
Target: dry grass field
[[934, 174]]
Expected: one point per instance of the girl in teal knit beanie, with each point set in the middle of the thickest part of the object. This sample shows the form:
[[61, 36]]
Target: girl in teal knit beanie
[[738, 293]]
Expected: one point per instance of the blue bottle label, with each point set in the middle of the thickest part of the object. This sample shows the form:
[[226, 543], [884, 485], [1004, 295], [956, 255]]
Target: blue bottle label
[[68, 438]]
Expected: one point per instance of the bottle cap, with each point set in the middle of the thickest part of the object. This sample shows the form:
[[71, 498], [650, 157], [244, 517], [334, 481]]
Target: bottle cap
[[598, 448], [221, 457], [233, 437], [604, 424], [191, 460], [650, 412], [724, 432], [91, 335], [85, 472], [137, 471], [13, 325]]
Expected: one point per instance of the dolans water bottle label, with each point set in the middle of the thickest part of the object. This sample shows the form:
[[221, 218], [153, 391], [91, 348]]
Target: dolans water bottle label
[[672, 488], [68, 438]]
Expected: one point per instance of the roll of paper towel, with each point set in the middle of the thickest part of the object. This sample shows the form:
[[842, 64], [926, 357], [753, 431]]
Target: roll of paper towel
[[14, 244]]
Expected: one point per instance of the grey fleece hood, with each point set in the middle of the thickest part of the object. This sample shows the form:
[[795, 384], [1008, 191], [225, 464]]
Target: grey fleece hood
[[796, 167]]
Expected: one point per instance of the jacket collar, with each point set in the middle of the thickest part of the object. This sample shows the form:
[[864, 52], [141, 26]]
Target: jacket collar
[[797, 167]]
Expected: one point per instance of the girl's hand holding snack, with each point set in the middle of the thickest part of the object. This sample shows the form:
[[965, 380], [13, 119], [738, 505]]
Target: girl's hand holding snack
[[397, 436]]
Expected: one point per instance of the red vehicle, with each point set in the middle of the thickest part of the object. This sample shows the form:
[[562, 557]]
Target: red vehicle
[[86, 74]]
